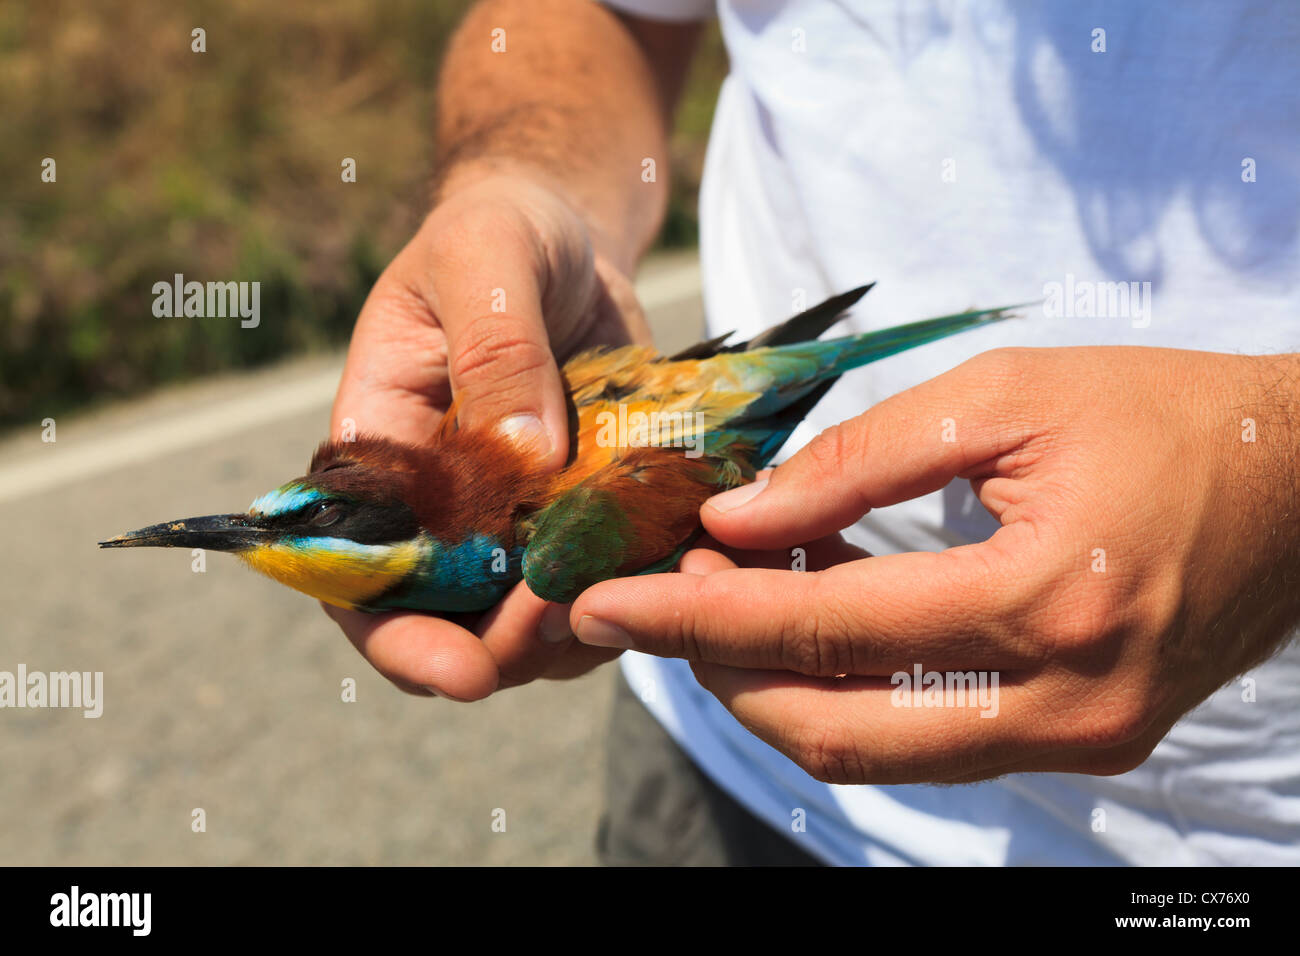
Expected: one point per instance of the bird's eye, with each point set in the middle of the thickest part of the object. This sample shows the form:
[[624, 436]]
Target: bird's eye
[[324, 514]]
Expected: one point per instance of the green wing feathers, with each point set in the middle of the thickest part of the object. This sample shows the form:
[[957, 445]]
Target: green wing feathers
[[631, 517]]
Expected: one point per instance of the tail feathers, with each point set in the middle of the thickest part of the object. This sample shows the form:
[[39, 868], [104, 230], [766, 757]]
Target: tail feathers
[[796, 376], [702, 350], [804, 327], [808, 325], [870, 346]]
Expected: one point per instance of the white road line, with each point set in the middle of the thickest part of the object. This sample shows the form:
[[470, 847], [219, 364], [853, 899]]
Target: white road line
[[63, 462]]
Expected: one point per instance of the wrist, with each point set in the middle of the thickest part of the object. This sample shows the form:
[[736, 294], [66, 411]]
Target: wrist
[[457, 177]]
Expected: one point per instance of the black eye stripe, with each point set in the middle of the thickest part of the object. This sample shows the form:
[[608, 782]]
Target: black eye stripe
[[325, 513], [364, 522]]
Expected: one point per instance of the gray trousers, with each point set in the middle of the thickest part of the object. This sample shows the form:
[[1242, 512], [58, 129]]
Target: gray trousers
[[662, 810]]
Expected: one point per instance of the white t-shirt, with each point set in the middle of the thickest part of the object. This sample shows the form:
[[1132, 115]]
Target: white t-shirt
[[976, 154]]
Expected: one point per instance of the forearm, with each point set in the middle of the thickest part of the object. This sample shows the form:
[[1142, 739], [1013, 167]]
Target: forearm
[[573, 99]]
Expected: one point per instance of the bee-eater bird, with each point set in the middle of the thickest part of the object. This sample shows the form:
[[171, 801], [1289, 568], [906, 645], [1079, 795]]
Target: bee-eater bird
[[379, 525]]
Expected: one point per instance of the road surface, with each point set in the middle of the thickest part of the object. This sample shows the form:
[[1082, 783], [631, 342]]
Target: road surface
[[223, 691]]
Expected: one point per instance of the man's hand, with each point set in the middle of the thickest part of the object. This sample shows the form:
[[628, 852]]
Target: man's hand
[[500, 276], [541, 215], [1148, 553]]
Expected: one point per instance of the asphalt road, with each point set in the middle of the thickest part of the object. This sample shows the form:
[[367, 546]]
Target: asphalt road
[[223, 691]]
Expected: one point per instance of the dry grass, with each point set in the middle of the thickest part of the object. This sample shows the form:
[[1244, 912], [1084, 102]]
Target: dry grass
[[221, 165]]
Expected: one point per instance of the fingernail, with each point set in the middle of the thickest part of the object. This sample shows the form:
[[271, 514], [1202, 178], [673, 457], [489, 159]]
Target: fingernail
[[438, 693], [736, 497], [554, 625], [528, 432], [598, 633]]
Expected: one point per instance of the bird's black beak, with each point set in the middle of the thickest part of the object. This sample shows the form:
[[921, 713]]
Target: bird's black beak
[[213, 533]]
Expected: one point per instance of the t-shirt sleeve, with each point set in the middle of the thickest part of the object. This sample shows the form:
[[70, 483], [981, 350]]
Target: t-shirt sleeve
[[679, 11]]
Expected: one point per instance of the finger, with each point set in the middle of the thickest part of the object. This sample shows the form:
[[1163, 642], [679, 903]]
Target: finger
[[415, 650], [525, 635], [856, 730], [699, 561], [489, 301], [813, 556], [873, 616], [577, 660], [616, 318], [909, 445], [530, 638], [395, 381]]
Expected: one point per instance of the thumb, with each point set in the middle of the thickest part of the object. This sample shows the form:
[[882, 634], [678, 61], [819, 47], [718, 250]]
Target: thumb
[[907, 446], [503, 372]]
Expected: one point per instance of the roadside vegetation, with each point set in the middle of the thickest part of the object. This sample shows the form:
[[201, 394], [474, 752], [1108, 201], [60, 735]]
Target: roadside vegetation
[[220, 166]]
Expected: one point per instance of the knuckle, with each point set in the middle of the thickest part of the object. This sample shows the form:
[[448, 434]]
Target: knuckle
[[1085, 618], [690, 630], [493, 350], [834, 449], [1120, 720], [829, 756], [1118, 760], [692, 625], [795, 647], [1124, 721], [1078, 624], [1004, 368], [1020, 609], [817, 640], [799, 647]]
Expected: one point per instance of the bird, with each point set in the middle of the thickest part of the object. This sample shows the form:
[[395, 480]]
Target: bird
[[451, 525]]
